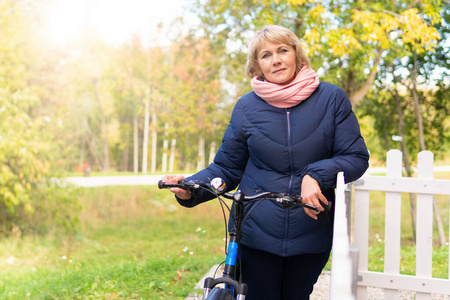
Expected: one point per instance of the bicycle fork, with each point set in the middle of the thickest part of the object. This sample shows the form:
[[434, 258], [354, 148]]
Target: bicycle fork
[[229, 273]]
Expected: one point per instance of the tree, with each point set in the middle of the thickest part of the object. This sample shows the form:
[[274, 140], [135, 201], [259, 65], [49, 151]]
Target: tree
[[197, 109], [127, 81], [346, 40], [31, 197], [408, 71]]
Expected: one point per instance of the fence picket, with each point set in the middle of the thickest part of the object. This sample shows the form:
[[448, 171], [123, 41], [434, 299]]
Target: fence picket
[[393, 221], [361, 236], [424, 239], [393, 184]]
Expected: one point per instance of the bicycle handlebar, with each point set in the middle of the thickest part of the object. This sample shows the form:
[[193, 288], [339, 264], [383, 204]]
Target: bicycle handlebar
[[217, 187]]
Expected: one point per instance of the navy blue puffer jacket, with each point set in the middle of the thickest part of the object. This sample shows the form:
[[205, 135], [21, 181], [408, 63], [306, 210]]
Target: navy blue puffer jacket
[[266, 148]]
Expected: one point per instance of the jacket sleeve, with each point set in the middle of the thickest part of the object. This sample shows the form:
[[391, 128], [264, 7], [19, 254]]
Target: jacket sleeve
[[349, 151], [229, 162]]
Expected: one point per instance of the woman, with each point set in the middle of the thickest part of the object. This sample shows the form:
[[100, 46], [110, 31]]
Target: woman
[[291, 134]]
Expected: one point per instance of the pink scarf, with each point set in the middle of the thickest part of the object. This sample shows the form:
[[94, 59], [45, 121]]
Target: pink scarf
[[288, 95]]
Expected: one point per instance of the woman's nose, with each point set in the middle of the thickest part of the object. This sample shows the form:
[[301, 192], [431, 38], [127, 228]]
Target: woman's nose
[[276, 58]]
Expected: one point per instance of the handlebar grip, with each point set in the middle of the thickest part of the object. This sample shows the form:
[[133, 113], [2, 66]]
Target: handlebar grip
[[327, 207], [161, 185], [310, 207], [181, 184]]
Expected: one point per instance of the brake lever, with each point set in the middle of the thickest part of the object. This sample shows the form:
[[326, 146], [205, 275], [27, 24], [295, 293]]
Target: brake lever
[[191, 185], [327, 207], [298, 201]]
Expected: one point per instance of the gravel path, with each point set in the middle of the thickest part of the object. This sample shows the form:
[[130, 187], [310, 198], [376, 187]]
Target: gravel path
[[321, 290]]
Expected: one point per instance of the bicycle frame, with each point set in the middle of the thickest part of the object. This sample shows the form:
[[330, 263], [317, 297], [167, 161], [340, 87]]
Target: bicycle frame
[[229, 277]]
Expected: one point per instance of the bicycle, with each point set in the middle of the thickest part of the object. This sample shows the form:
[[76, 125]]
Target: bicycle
[[233, 288]]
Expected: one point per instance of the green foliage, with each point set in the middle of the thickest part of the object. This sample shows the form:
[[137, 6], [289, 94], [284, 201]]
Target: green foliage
[[158, 278], [57, 209], [344, 38], [20, 151], [407, 262], [65, 106], [408, 247], [138, 243], [29, 157], [351, 44], [394, 77], [133, 243], [30, 199]]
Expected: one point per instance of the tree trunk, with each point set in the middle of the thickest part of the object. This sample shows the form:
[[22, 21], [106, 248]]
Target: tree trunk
[[356, 97], [401, 131], [94, 153], [419, 120], [91, 145], [439, 223], [125, 156], [135, 144], [201, 154], [417, 107], [165, 148], [386, 137], [83, 146], [172, 155], [212, 152], [106, 166], [154, 141], [145, 139]]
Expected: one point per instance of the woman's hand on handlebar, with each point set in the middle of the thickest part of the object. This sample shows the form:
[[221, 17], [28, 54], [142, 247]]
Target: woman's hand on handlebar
[[311, 194], [180, 193]]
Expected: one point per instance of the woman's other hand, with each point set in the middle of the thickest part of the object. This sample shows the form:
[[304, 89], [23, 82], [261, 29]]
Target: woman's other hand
[[180, 193], [311, 194]]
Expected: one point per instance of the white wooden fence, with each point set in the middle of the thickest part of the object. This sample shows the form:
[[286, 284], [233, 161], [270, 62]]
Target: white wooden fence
[[423, 284], [342, 272], [344, 275]]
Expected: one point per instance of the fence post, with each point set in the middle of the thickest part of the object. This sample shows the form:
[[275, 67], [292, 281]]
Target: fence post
[[348, 206], [341, 265], [354, 252], [354, 257], [361, 236], [424, 244]]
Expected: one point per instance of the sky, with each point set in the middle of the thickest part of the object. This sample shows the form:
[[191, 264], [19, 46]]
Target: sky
[[114, 20]]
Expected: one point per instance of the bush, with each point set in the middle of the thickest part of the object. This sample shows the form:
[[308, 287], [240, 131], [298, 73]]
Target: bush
[[51, 208]]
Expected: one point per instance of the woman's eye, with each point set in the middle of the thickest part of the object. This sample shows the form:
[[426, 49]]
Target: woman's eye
[[283, 50], [266, 55]]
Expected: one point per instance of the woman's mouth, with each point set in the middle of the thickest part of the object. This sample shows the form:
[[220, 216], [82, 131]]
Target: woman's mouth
[[278, 71]]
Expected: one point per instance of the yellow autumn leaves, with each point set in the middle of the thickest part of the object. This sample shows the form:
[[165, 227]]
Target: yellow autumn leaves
[[373, 26]]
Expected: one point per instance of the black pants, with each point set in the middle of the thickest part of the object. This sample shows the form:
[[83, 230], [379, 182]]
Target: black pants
[[272, 277]]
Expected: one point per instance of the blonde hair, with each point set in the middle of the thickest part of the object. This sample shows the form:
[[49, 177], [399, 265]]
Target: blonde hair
[[273, 34]]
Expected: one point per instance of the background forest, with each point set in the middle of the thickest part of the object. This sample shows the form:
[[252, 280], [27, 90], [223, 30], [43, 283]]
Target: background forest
[[147, 106]]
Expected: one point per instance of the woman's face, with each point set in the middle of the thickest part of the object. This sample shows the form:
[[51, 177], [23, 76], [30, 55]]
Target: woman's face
[[277, 62]]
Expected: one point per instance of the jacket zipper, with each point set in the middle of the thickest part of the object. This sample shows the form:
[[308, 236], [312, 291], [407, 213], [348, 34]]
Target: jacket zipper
[[291, 163], [291, 159]]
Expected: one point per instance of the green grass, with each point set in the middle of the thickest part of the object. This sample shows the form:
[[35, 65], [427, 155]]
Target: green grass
[[153, 278], [93, 174], [116, 173], [408, 259], [138, 243], [134, 243], [408, 249]]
